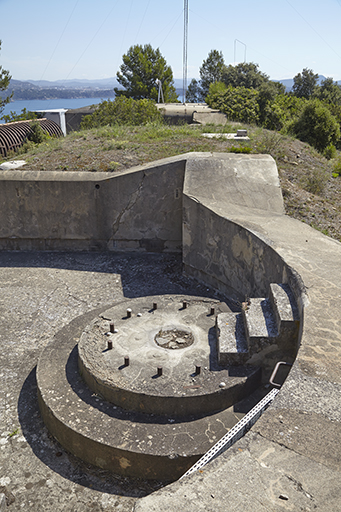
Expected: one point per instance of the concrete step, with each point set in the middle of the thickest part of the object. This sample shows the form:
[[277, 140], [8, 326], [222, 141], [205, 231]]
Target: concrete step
[[284, 305], [265, 332], [260, 324], [231, 339]]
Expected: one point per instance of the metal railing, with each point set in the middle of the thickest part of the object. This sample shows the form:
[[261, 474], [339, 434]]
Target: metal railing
[[236, 432]]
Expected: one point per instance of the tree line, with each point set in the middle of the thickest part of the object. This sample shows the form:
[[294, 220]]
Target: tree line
[[309, 111]]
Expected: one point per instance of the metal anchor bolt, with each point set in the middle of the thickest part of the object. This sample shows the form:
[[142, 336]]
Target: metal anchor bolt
[[212, 311], [159, 371], [112, 327], [184, 304], [109, 344], [129, 313], [126, 361], [154, 305], [197, 370]]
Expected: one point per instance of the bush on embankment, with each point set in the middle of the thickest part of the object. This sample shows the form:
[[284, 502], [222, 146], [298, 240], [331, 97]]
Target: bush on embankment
[[123, 111]]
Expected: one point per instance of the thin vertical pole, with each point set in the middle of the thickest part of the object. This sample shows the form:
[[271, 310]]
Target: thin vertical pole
[[184, 74]]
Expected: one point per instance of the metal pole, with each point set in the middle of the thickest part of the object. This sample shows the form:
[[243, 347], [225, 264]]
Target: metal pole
[[235, 41], [184, 74]]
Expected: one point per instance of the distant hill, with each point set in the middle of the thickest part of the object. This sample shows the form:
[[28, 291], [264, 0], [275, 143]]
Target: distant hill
[[69, 89], [289, 82], [102, 83], [81, 88]]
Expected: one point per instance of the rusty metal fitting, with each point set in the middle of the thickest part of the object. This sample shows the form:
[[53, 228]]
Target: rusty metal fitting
[[109, 344], [184, 304], [126, 360], [197, 370], [129, 313], [112, 327], [212, 311], [159, 371], [154, 305]]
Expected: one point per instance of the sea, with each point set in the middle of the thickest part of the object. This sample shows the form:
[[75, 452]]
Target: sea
[[32, 105]]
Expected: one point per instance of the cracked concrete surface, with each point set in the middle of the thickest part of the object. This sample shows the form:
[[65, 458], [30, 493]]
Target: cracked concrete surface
[[41, 293], [132, 200]]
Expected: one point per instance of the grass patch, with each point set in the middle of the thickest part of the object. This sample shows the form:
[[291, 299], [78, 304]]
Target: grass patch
[[305, 174]]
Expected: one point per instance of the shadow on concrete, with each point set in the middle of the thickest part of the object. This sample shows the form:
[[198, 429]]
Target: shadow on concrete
[[53, 455], [245, 406], [142, 274]]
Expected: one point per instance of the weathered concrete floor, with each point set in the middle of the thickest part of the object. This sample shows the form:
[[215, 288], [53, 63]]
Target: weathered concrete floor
[[40, 293], [275, 467]]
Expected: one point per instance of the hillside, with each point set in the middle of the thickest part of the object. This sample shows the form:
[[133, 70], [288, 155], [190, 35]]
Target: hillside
[[66, 89], [310, 192]]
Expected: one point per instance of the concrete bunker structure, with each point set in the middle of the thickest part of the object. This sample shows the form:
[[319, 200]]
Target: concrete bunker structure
[[225, 213]]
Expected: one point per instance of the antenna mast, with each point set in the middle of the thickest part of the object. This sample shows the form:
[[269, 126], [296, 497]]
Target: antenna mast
[[184, 71]]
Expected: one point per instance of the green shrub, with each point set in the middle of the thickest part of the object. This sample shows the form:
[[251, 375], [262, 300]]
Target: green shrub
[[239, 149], [317, 126], [238, 103], [267, 142], [337, 168], [123, 111], [315, 181], [330, 152], [217, 88], [283, 110], [36, 134]]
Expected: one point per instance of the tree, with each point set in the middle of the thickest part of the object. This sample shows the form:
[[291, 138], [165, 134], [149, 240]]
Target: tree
[[211, 71], [268, 91], [5, 79], [193, 93], [245, 74], [142, 66], [317, 126], [304, 84], [329, 91]]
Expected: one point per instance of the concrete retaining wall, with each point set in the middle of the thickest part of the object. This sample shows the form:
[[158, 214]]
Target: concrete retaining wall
[[227, 256], [139, 209]]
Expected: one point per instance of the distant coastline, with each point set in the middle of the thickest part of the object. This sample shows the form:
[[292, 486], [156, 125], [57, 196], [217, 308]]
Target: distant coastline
[[55, 93], [33, 105]]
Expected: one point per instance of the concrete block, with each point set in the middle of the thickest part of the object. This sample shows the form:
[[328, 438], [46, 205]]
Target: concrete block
[[284, 304], [260, 324], [231, 340]]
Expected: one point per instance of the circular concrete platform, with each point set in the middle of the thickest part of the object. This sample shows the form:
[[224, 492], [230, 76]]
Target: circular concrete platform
[[135, 443], [146, 370]]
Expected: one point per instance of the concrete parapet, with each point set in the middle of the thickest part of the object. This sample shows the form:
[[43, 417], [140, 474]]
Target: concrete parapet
[[86, 211]]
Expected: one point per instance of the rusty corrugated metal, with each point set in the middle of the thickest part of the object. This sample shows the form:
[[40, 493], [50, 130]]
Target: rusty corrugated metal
[[13, 135]]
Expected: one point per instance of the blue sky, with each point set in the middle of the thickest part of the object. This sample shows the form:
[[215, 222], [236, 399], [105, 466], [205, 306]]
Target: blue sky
[[86, 39]]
